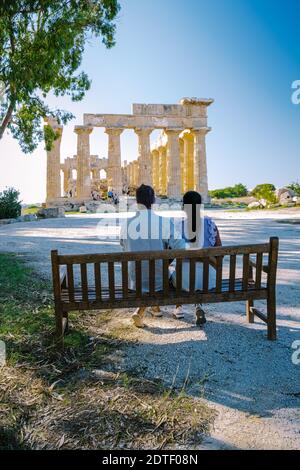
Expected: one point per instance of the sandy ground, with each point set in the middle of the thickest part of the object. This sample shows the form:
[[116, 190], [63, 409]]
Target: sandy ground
[[251, 382]]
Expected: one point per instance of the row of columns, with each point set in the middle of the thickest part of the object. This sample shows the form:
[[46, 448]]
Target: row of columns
[[172, 169], [178, 166]]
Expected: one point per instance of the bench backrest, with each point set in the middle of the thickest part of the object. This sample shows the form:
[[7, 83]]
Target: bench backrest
[[224, 259]]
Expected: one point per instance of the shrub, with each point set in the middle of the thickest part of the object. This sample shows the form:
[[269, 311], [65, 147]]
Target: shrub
[[295, 186], [266, 187], [10, 206], [239, 190], [265, 191]]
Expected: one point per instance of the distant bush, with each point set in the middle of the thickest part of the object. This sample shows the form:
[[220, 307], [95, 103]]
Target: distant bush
[[295, 187], [265, 191], [239, 190], [10, 206], [262, 187]]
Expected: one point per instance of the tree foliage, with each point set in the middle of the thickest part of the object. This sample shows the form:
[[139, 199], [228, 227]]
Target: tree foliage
[[265, 191], [239, 190], [295, 186], [41, 49], [10, 206]]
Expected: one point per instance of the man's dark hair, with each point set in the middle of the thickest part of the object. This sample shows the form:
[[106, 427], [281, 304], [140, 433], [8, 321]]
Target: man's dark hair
[[145, 195]]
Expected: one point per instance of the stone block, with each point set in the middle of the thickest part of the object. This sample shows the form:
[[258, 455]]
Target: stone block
[[51, 213], [7, 221], [27, 218]]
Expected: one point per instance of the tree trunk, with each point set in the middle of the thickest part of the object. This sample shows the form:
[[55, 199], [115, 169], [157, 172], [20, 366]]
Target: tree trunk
[[6, 120]]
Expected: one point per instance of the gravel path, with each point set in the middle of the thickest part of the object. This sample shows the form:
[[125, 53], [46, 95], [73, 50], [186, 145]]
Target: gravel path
[[251, 382]]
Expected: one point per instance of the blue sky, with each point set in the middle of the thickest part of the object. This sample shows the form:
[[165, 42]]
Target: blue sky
[[243, 53]]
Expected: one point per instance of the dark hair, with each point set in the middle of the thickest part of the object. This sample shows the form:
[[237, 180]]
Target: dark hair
[[192, 197], [193, 200], [145, 195]]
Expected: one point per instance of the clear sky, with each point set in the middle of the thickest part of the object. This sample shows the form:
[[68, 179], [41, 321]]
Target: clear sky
[[243, 53]]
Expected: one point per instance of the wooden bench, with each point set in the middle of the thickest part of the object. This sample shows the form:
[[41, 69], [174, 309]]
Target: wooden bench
[[257, 280]]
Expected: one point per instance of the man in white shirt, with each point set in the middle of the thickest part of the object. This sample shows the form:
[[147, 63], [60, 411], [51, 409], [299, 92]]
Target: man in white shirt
[[147, 231]]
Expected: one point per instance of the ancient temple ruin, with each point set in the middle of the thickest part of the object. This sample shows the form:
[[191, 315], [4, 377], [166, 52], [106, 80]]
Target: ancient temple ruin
[[175, 163]]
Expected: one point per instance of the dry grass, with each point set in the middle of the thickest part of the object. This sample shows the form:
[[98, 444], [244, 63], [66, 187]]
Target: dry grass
[[81, 399]]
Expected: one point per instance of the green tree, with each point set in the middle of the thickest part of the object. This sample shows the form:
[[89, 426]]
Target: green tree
[[239, 190], [41, 48], [10, 206], [265, 191], [295, 186]]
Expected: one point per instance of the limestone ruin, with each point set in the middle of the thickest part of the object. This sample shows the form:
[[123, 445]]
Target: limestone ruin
[[175, 163]]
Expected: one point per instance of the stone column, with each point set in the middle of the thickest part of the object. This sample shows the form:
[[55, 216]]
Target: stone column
[[144, 159], [173, 164], [114, 170], [136, 173], [162, 170], [67, 176], [182, 166], [155, 170], [131, 175], [95, 174], [200, 165], [53, 187], [188, 158], [83, 185]]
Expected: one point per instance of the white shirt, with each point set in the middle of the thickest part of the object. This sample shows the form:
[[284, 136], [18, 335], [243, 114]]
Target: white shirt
[[147, 231]]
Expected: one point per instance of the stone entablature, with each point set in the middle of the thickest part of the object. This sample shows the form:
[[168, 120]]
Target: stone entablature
[[175, 164]]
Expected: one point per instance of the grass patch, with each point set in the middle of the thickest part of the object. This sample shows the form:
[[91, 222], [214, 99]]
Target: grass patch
[[30, 210], [47, 399]]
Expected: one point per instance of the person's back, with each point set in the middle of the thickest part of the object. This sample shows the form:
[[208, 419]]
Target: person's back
[[147, 231], [199, 232]]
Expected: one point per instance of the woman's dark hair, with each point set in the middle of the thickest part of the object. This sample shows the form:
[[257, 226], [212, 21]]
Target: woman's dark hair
[[145, 195], [191, 202]]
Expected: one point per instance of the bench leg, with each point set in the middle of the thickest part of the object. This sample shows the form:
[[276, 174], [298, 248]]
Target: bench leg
[[271, 325], [59, 331], [65, 323], [250, 315]]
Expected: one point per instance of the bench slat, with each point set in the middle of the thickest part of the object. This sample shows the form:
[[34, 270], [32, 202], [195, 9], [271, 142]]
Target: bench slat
[[142, 255], [219, 272], [159, 299], [111, 280], [258, 273], [151, 277], [84, 282], [125, 279], [206, 265], [178, 275], [97, 273], [246, 267], [70, 277], [105, 291], [138, 278], [192, 275], [232, 271]]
